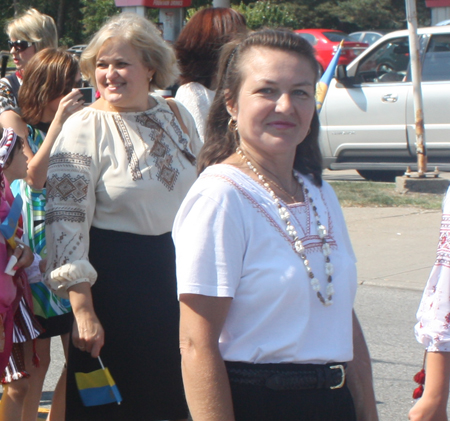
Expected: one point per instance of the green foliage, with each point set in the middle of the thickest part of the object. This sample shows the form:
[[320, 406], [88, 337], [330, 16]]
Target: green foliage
[[265, 13], [95, 14]]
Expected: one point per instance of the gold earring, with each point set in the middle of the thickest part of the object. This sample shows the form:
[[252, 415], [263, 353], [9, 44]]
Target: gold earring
[[232, 125]]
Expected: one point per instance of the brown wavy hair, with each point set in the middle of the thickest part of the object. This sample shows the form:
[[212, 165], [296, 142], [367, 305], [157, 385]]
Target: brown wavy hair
[[49, 74], [199, 43], [220, 142]]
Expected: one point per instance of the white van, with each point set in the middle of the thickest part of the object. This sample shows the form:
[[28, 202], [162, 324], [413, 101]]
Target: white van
[[368, 119]]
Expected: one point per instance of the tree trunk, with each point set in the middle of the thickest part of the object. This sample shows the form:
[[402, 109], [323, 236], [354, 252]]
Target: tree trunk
[[60, 18]]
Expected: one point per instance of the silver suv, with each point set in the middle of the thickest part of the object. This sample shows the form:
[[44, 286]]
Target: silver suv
[[368, 115]]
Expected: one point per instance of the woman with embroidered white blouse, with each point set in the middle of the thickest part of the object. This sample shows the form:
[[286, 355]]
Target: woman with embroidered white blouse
[[433, 330], [117, 175], [265, 269]]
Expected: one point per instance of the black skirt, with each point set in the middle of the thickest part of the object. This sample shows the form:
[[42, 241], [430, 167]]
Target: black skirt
[[135, 299]]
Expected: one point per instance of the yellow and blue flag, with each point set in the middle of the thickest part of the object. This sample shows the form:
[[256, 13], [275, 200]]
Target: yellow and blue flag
[[9, 226], [97, 387], [324, 82]]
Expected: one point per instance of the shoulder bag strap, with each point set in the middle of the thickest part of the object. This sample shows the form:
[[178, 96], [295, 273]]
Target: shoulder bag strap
[[174, 107]]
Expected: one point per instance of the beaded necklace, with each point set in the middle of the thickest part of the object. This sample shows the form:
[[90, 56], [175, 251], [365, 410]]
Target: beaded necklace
[[298, 245]]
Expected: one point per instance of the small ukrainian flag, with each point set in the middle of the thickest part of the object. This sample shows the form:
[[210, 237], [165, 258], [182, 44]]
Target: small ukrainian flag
[[324, 82], [97, 387], [9, 226]]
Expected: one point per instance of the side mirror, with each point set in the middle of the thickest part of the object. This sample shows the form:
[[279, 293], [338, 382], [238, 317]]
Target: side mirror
[[341, 76]]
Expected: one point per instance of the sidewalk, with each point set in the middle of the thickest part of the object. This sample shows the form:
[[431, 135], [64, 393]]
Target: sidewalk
[[395, 247]]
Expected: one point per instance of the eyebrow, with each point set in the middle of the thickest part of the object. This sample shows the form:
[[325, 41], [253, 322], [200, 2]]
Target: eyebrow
[[271, 82], [114, 59]]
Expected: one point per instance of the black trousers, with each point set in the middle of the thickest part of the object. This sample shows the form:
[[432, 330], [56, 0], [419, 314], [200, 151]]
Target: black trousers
[[263, 404]]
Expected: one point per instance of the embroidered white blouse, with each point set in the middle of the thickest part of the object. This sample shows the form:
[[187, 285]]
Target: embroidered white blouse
[[126, 172], [231, 242], [197, 99], [433, 315]]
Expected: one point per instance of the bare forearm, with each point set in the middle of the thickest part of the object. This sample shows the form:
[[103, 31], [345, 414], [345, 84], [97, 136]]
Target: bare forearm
[[12, 119], [38, 164], [437, 377], [359, 377], [432, 406], [207, 387]]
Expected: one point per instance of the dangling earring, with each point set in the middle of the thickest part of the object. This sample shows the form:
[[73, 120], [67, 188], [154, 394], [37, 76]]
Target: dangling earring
[[233, 128], [232, 125]]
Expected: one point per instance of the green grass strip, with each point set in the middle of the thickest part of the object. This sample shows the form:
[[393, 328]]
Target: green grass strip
[[376, 194]]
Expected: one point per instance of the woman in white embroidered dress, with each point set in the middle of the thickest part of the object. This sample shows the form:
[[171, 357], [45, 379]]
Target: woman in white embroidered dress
[[433, 330], [263, 333], [198, 48], [117, 175]]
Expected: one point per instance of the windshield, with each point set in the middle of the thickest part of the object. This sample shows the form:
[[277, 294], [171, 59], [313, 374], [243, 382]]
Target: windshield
[[337, 36]]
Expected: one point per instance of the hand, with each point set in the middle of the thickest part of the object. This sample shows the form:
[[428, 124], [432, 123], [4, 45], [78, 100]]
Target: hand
[[24, 256], [88, 334], [68, 105], [43, 265], [427, 410]]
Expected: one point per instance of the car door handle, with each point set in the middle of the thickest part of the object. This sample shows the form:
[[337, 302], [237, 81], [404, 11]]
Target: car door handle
[[390, 98]]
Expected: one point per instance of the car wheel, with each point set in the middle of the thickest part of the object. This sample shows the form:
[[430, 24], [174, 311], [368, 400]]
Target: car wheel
[[321, 71], [374, 175]]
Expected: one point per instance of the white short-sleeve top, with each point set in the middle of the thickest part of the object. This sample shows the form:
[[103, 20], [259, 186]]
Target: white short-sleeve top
[[231, 242], [126, 172], [197, 99]]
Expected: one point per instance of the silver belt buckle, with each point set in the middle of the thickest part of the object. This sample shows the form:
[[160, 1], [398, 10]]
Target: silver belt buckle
[[340, 367]]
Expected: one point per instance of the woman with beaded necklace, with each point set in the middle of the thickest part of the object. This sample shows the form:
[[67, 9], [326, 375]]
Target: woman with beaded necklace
[[265, 268]]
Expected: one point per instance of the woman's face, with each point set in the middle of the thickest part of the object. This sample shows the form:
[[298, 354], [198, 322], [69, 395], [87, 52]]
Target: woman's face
[[18, 167], [122, 79], [276, 103], [21, 58]]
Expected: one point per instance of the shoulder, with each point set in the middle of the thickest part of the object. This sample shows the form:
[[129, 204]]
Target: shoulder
[[220, 184], [4, 83], [83, 130], [87, 117]]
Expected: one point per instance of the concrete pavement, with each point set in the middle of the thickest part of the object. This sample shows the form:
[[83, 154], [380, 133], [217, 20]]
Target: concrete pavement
[[395, 247]]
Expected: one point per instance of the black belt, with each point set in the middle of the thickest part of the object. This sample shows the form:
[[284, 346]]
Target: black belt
[[288, 376]]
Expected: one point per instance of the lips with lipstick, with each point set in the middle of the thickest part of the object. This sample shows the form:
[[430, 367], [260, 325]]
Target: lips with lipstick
[[282, 125]]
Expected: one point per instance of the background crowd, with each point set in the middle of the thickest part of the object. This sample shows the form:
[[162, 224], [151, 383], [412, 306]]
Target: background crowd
[[200, 223]]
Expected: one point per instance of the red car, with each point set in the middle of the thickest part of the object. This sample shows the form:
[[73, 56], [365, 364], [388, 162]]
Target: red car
[[326, 43]]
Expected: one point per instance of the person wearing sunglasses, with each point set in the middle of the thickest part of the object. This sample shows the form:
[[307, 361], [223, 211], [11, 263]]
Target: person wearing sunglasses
[[28, 33]]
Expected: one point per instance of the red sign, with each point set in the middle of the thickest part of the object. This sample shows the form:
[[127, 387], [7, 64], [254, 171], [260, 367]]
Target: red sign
[[157, 4], [437, 3]]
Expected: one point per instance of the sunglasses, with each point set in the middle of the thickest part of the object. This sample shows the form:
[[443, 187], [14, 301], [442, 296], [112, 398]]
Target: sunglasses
[[19, 45]]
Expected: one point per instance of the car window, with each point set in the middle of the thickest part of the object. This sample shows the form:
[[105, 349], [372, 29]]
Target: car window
[[436, 65], [336, 36], [387, 63], [310, 38], [355, 36], [370, 38]]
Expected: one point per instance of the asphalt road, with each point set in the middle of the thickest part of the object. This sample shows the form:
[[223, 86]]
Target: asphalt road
[[388, 317], [386, 309]]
